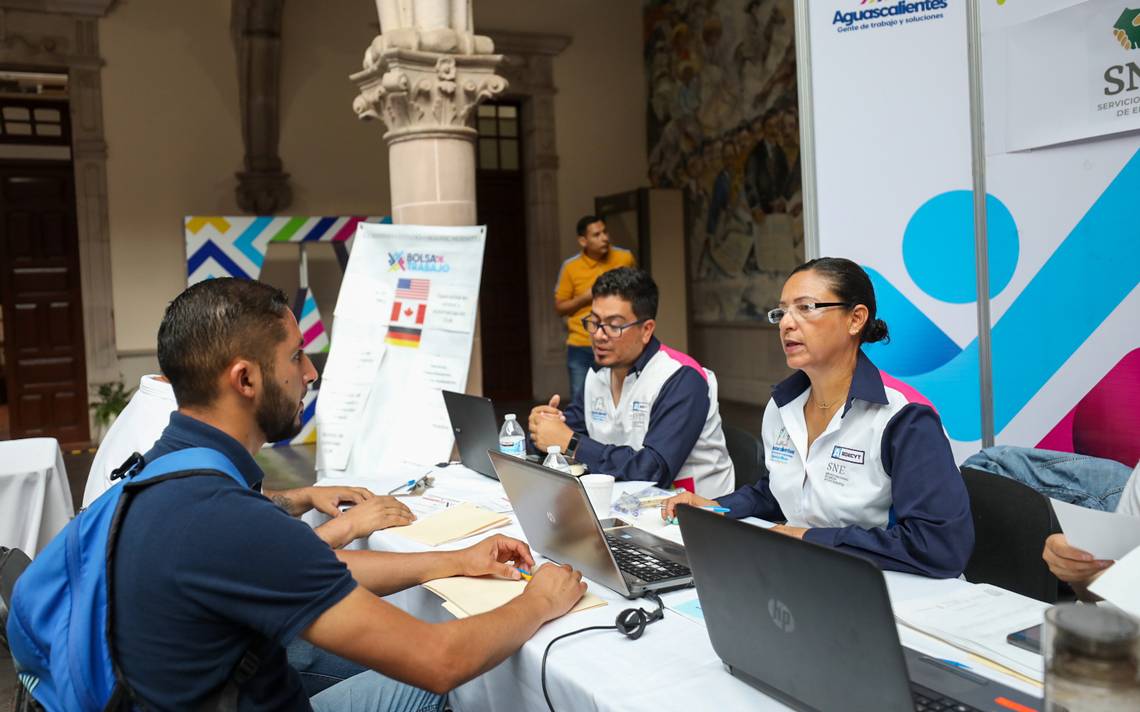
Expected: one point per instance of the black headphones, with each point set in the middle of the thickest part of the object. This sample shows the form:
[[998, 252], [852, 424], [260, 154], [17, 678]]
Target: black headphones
[[632, 621]]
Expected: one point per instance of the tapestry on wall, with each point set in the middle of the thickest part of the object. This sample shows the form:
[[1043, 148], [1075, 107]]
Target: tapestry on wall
[[724, 128], [235, 246]]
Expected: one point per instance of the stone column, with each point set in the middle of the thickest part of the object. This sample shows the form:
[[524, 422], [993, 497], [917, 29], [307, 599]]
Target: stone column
[[423, 77]]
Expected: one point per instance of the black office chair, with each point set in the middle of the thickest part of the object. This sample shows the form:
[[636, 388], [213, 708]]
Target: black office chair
[[746, 454], [1011, 523], [12, 564]]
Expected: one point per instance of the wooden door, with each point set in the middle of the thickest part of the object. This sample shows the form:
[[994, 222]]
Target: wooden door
[[504, 301], [40, 294]]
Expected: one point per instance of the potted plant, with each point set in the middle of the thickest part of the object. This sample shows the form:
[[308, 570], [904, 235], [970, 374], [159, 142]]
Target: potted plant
[[110, 399]]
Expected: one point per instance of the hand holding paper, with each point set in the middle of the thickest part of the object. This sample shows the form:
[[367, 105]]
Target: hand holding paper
[[467, 596], [1105, 535]]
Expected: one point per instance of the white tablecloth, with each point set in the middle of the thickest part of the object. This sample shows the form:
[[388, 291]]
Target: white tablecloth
[[672, 667], [35, 498]]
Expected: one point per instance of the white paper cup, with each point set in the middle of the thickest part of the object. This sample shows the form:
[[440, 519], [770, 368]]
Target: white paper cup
[[577, 469], [600, 490]]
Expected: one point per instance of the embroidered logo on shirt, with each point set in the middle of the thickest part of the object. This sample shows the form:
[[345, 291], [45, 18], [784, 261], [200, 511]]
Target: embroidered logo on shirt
[[782, 449], [598, 410], [836, 474], [847, 454], [639, 415]]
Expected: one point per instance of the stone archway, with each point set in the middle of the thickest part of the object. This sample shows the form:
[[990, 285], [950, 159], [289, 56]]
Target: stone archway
[[63, 36], [528, 67]]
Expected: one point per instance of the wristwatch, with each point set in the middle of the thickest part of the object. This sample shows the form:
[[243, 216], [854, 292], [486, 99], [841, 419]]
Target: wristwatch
[[572, 446]]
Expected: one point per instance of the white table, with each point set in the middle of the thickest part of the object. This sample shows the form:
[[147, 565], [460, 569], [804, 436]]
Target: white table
[[35, 497], [672, 667]]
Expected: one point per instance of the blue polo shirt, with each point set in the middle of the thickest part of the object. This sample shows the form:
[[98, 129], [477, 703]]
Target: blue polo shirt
[[201, 567]]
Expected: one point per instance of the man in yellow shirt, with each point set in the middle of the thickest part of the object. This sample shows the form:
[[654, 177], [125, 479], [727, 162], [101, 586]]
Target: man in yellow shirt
[[572, 297]]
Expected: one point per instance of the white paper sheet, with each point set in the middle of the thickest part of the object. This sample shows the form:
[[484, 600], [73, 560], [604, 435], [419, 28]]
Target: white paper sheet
[[1105, 535], [1120, 584], [452, 307], [339, 408], [357, 350], [978, 620]]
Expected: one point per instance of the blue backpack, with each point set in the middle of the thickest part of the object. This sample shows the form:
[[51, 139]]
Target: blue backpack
[[59, 626]]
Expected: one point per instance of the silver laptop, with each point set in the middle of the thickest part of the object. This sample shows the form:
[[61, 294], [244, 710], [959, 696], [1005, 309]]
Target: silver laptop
[[556, 516]]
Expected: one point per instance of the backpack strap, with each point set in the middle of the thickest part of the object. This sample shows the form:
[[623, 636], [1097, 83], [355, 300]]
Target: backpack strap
[[185, 462], [181, 463], [225, 698]]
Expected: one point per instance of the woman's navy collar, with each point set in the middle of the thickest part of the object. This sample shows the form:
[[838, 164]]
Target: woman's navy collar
[[866, 385], [185, 431]]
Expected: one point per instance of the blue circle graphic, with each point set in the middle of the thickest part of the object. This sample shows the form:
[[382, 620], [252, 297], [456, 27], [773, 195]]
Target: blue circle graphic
[[938, 246]]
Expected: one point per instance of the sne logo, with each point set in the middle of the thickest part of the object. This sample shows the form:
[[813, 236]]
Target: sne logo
[[1124, 77], [1127, 29]]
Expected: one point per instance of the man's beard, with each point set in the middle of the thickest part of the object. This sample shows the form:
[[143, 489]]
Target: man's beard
[[277, 416]]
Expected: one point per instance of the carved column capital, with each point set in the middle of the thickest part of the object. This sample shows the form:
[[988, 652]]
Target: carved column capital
[[415, 93]]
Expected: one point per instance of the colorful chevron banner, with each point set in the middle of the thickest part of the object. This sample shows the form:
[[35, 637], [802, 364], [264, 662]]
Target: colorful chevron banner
[[235, 246], [312, 328]]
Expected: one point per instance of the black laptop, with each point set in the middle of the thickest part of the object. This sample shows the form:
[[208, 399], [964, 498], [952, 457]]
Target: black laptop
[[473, 422], [813, 627]]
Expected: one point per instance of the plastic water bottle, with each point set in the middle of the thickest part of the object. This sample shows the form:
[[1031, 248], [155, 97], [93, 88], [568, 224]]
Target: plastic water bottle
[[512, 439], [554, 459]]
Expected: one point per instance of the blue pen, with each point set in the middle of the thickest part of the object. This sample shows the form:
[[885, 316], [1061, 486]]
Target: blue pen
[[394, 490], [524, 573], [718, 510], [954, 663]]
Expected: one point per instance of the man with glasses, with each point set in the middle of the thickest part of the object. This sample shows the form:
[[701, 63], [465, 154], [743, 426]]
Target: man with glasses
[[646, 412], [572, 295]]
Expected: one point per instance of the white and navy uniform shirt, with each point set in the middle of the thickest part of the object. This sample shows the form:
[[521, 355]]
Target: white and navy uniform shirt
[[665, 428], [879, 481]]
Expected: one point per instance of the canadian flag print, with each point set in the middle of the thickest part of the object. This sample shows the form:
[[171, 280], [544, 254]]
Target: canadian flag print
[[408, 313]]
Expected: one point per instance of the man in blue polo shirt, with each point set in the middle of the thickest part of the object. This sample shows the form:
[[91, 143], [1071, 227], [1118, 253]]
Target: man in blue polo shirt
[[206, 568]]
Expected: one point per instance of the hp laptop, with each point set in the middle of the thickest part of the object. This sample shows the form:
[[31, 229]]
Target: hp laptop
[[473, 421], [813, 627], [556, 516]]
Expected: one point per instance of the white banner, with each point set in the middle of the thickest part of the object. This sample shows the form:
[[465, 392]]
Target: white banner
[[402, 331], [892, 151], [1069, 75], [1065, 362]]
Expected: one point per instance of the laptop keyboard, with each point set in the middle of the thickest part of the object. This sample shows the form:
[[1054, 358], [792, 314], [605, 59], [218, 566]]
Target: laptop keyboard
[[926, 700], [646, 566]]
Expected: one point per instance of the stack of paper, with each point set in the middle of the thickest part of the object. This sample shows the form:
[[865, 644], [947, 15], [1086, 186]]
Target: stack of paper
[[465, 596], [451, 524], [978, 620]]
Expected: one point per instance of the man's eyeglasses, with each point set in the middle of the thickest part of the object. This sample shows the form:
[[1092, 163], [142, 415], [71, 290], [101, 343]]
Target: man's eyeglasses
[[802, 311], [611, 330]]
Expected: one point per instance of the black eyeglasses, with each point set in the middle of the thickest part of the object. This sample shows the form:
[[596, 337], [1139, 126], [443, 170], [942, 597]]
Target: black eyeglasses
[[802, 310], [611, 330]]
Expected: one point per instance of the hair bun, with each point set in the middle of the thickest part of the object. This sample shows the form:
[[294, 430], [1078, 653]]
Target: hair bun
[[876, 331]]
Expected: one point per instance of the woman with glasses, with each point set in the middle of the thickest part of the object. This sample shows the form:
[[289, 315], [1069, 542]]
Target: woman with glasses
[[852, 463]]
